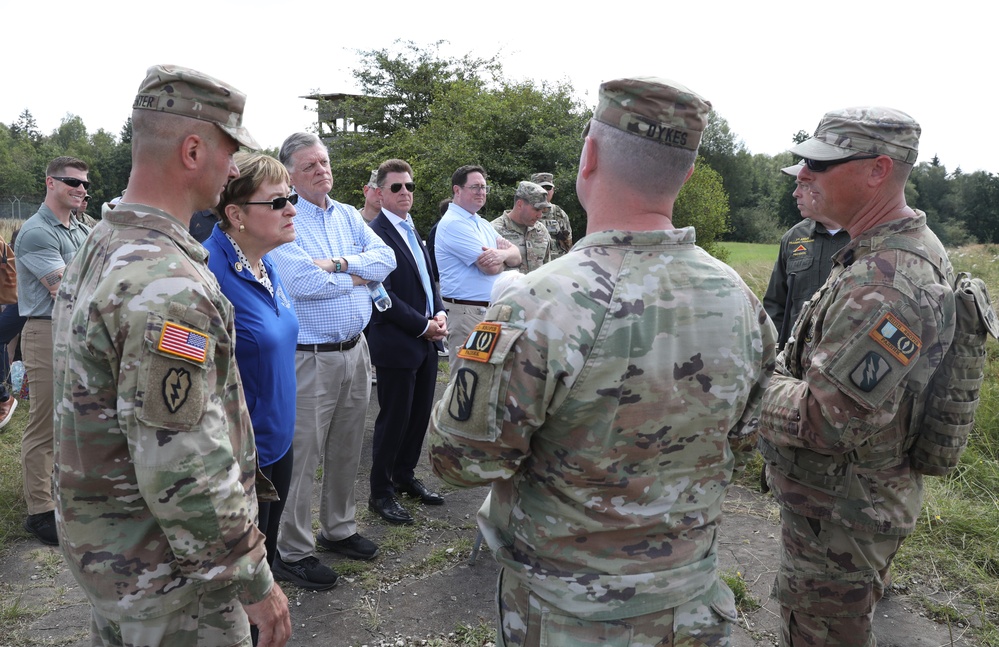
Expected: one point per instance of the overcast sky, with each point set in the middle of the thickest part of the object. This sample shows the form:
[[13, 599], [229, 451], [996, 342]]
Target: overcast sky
[[769, 68]]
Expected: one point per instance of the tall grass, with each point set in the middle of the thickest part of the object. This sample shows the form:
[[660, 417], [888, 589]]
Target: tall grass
[[8, 226], [754, 262], [955, 545]]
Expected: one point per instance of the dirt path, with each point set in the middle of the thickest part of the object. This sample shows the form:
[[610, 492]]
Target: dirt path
[[421, 588]]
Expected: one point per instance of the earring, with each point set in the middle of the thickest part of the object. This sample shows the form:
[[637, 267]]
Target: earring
[[242, 227]]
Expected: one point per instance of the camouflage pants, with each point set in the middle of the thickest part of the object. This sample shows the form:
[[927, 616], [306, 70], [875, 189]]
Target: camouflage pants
[[213, 618], [527, 620], [830, 580]]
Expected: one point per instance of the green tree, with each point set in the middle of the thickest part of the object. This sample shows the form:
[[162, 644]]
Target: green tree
[[26, 129], [440, 113], [402, 84], [702, 203], [979, 193], [727, 155], [71, 136]]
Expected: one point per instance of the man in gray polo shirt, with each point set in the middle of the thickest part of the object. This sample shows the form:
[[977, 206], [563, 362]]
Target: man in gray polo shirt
[[47, 242]]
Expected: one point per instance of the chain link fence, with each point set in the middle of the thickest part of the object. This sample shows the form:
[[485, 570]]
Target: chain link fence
[[19, 207]]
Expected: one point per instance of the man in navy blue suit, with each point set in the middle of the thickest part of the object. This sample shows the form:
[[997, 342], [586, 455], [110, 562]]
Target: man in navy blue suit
[[404, 344]]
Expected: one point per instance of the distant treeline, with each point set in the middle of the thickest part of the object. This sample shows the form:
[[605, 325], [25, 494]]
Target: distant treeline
[[440, 112]]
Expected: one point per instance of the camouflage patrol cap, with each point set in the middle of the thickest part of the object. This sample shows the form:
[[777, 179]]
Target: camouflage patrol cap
[[544, 179], [662, 110], [869, 129], [793, 170], [373, 180], [533, 194], [189, 93]]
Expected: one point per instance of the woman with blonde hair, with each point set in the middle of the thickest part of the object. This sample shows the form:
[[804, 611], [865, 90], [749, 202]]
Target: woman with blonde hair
[[256, 215]]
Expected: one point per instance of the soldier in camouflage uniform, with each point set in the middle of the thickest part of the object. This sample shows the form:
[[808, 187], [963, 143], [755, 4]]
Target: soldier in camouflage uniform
[[556, 220], [522, 228], [155, 460], [608, 396], [836, 424]]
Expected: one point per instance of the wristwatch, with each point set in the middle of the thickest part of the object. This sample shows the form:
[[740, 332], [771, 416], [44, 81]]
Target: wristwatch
[[337, 265]]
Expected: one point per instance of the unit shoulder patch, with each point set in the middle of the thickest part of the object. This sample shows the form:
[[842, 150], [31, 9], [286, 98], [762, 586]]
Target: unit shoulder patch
[[896, 338], [481, 342], [869, 371]]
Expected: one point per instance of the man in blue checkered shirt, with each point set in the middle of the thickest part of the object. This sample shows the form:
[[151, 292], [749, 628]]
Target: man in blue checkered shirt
[[326, 271]]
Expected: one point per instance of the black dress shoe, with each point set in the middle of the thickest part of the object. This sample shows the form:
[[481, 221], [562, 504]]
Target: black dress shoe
[[418, 490], [389, 509]]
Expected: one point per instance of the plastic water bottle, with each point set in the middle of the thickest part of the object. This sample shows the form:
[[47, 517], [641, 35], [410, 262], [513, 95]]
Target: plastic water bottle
[[16, 376], [379, 296]]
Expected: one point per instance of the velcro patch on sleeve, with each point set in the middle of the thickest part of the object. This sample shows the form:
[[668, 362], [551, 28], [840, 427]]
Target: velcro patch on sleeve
[[869, 371], [896, 338], [463, 394], [183, 342], [481, 342]]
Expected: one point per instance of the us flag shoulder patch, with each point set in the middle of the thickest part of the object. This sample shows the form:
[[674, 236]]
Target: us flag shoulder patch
[[183, 342]]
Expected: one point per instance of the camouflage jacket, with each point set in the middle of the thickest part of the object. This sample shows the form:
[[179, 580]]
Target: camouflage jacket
[[556, 221], [533, 243], [154, 451], [605, 397], [836, 418]]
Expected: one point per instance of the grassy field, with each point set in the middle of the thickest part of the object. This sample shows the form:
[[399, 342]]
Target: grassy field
[[754, 262]]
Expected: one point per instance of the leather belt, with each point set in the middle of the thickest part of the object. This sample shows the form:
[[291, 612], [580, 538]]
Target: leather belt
[[465, 302], [329, 348]]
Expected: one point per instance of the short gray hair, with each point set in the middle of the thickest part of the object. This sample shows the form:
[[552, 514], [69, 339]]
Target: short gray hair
[[295, 143], [643, 164]]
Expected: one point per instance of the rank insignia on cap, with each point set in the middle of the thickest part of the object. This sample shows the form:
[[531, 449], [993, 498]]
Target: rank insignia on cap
[[176, 386], [896, 338], [480, 343], [183, 342], [869, 371], [463, 395]]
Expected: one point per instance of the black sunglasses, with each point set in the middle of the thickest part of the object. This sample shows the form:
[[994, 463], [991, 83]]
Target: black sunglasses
[[278, 203], [72, 181], [818, 166], [397, 187]]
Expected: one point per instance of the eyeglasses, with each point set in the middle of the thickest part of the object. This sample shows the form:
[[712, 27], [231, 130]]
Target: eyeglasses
[[818, 166], [72, 181], [397, 187], [86, 198], [278, 203], [476, 188]]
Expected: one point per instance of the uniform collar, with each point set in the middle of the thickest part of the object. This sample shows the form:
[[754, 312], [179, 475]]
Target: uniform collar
[[142, 215]]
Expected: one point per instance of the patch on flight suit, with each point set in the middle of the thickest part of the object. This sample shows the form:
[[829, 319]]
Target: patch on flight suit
[[869, 371], [800, 248], [183, 342], [463, 394], [481, 342], [896, 338], [176, 386]]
